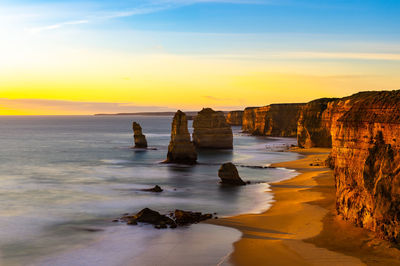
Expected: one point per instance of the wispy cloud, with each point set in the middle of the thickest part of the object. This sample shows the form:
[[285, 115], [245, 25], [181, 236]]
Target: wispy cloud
[[148, 7], [307, 55], [57, 26]]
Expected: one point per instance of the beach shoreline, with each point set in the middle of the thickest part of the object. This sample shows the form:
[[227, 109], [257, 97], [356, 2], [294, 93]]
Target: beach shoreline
[[302, 228]]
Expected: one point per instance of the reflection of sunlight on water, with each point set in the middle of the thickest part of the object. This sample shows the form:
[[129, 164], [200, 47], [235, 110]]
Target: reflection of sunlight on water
[[199, 244], [82, 177]]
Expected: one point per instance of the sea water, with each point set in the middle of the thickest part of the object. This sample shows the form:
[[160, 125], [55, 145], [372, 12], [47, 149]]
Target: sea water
[[63, 179]]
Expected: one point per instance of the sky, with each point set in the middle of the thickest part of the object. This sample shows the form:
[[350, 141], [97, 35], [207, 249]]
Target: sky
[[73, 57]]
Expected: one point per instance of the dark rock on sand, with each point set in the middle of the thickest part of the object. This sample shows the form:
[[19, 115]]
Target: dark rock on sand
[[229, 175]]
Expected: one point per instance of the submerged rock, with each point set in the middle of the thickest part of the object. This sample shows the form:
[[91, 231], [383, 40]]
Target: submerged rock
[[181, 149], [230, 175], [188, 217], [156, 188], [139, 138], [160, 221], [210, 130], [151, 217]]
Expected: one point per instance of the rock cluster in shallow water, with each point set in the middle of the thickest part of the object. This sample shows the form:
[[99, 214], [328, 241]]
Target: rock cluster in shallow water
[[161, 221]]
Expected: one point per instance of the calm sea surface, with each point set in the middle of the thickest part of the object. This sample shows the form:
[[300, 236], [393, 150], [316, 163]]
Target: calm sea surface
[[63, 179]]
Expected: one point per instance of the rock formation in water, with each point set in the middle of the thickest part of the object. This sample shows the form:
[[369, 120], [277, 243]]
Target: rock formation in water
[[210, 130], [230, 175], [156, 189], [139, 138], [181, 149], [279, 120], [234, 118], [162, 221], [366, 156]]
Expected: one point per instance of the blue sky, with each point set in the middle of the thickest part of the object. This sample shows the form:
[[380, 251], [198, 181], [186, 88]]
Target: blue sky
[[364, 18], [52, 50]]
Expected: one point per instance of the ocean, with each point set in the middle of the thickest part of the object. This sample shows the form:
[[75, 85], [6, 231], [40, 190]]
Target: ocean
[[63, 179]]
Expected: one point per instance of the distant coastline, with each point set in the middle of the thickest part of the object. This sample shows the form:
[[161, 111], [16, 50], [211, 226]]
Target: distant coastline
[[188, 113], [149, 113]]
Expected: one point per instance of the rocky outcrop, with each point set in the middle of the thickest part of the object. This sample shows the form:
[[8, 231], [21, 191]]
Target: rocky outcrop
[[139, 138], [229, 175], [156, 189], [162, 221], [234, 118], [314, 126], [318, 117], [181, 149], [149, 216], [210, 130], [188, 217], [279, 120], [366, 156]]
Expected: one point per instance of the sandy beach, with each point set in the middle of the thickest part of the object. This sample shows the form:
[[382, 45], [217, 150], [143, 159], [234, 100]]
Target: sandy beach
[[302, 228]]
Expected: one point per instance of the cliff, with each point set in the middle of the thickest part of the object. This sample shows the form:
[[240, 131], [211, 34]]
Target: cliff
[[314, 126], [139, 138], [366, 155], [279, 120], [181, 149], [234, 118], [210, 130]]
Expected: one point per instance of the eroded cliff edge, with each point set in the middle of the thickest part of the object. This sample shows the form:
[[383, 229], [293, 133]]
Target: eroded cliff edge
[[234, 118], [279, 120], [366, 155]]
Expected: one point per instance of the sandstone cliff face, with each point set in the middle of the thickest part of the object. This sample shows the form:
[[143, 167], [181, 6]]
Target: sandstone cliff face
[[234, 118], [181, 149], [210, 130], [366, 155], [313, 126], [139, 138], [279, 120]]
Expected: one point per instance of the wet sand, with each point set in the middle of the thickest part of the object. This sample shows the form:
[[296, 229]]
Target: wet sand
[[302, 228]]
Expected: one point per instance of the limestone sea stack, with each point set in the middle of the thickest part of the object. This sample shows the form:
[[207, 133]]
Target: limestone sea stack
[[181, 149], [210, 130], [234, 118], [139, 138], [366, 155], [229, 175]]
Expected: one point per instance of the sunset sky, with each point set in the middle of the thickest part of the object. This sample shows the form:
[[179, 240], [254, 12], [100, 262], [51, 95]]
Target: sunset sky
[[86, 57]]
